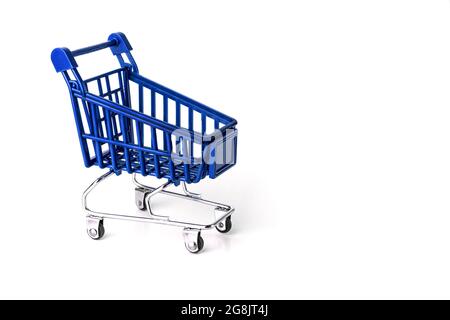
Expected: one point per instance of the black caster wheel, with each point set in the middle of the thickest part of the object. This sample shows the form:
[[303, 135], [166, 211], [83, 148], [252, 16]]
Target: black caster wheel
[[142, 207], [96, 233], [200, 244], [224, 226], [195, 247]]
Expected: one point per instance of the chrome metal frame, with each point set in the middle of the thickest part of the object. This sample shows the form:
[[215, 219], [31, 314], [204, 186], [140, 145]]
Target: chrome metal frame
[[145, 193]]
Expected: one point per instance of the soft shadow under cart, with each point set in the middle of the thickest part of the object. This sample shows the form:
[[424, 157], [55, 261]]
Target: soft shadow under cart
[[126, 122]]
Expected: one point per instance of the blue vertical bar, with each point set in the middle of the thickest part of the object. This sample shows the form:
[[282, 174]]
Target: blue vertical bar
[[97, 147], [224, 149], [97, 110], [99, 85], [125, 95], [186, 160], [99, 123], [141, 98], [165, 109], [165, 118], [126, 141], [123, 123], [126, 89], [203, 123], [112, 148], [122, 86], [178, 124], [191, 119], [153, 104], [141, 153], [127, 102], [140, 131], [108, 87], [168, 142], [177, 115], [153, 130], [191, 128], [111, 114], [114, 123], [109, 131], [235, 150], [203, 130]]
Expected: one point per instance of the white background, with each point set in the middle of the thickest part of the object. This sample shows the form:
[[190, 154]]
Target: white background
[[343, 178]]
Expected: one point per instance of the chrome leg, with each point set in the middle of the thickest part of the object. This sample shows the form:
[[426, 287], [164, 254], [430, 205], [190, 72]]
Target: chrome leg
[[149, 195], [92, 187], [188, 193]]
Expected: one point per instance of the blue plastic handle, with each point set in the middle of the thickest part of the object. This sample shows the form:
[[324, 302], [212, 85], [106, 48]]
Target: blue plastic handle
[[94, 48], [64, 59]]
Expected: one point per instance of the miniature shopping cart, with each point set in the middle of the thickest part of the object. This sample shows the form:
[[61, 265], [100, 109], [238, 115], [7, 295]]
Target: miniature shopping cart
[[126, 122]]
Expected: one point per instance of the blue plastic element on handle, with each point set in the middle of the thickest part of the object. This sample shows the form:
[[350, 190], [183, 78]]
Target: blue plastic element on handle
[[63, 59], [123, 45]]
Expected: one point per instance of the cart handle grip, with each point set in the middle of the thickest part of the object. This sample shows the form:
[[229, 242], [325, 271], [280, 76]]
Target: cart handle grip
[[64, 59], [96, 47]]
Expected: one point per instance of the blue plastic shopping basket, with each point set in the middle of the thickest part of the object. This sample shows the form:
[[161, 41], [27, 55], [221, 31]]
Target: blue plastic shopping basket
[[126, 122]]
